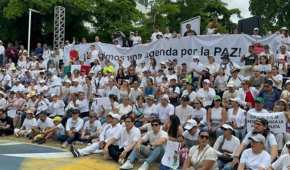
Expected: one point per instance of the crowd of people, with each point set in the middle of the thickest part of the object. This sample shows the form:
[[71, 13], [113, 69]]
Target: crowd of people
[[183, 115]]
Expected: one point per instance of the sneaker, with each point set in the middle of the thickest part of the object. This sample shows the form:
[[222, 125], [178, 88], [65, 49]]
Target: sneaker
[[144, 166], [74, 151], [127, 165]]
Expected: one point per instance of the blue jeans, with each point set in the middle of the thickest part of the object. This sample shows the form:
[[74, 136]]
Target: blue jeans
[[163, 167], [152, 155], [224, 165]]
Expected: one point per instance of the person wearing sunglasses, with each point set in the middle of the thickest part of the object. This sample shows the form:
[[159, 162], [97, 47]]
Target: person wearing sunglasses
[[255, 158], [283, 162], [201, 156], [156, 139]]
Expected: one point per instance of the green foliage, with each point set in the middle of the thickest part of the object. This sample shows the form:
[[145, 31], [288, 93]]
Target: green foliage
[[106, 16], [274, 13]]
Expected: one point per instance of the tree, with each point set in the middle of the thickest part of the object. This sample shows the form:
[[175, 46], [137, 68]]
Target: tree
[[106, 16], [274, 14]]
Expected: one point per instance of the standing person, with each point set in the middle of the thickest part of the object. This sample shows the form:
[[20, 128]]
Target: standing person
[[170, 159], [2, 53], [189, 31], [255, 158], [201, 156]]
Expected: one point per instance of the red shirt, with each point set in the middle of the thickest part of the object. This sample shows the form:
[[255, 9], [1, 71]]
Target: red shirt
[[250, 98]]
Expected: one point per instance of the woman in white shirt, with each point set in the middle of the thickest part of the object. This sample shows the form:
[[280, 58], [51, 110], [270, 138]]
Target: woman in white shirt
[[221, 81], [264, 66], [201, 156], [237, 118], [255, 158], [206, 93], [125, 107], [199, 112], [216, 117], [82, 104]]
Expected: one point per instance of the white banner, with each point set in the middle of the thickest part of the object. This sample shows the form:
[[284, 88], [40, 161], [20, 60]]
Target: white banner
[[195, 25], [277, 121], [235, 45]]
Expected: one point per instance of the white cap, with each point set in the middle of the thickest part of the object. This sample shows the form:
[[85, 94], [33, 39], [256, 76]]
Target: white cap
[[195, 57], [288, 81], [227, 127], [258, 138], [284, 28], [231, 84], [206, 81], [162, 62], [256, 29], [115, 116], [190, 124], [235, 99]]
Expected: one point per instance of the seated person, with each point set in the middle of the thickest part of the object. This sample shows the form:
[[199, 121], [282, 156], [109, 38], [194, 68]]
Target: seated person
[[255, 158], [261, 127], [225, 146], [191, 133], [107, 132], [44, 124], [152, 151], [58, 131], [121, 144], [27, 125], [73, 128], [91, 129], [6, 124], [283, 162]]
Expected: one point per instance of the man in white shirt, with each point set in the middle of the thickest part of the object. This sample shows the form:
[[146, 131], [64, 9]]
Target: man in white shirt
[[164, 109], [154, 150], [121, 144], [73, 128], [155, 34], [107, 132], [255, 158]]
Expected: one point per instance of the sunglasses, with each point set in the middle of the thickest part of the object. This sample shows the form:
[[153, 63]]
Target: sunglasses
[[154, 124], [203, 137]]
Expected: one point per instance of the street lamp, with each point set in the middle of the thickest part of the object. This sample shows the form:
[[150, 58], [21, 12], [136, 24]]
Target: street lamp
[[29, 28]]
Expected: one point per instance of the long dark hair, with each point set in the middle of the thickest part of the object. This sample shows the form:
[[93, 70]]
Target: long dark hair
[[174, 125]]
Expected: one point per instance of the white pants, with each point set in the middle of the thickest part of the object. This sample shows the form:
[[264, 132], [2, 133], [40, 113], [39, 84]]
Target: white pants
[[90, 149]]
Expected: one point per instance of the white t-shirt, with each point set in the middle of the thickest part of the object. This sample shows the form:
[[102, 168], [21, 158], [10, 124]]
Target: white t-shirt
[[192, 95], [228, 145], [74, 124], [282, 163], [199, 114], [148, 110], [57, 108], [29, 123], [183, 113], [270, 141], [197, 157], [92, 128], [124, 138], [151, 137], [48, 123], [255, 161], [206, 96], [164, 112], [123, 110]]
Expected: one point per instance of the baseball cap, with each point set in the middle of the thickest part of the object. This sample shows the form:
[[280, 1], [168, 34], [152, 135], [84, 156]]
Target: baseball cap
[[262, 120], [259, 100], [284, 28], [206, 81], [150, 97], [256, 29], [57, 119], [231, 84], [190, 124], [195, 57], [115, 116], [216, 97], [227, 127], [258, 138], [287, 82]]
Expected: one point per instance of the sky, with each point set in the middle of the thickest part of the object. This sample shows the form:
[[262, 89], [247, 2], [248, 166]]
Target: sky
[[243, 5]]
